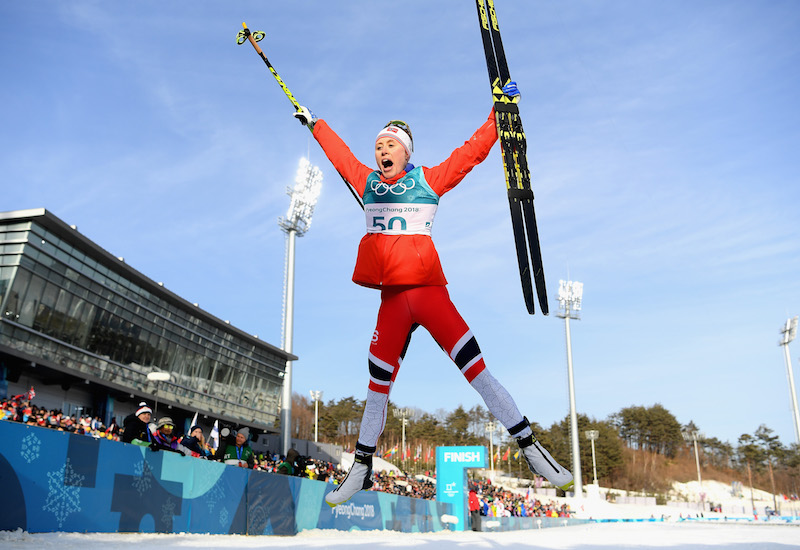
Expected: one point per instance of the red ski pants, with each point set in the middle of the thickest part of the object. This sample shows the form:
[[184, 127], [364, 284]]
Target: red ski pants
[[401, 311]]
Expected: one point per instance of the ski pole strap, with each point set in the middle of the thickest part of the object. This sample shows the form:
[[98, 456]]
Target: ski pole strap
[[244, 34], [515, 193]]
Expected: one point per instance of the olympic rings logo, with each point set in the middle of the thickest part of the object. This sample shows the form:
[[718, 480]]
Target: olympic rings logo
[[380, 188]]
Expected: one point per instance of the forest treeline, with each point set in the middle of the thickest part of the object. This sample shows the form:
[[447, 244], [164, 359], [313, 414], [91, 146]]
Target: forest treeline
[[638, 448]]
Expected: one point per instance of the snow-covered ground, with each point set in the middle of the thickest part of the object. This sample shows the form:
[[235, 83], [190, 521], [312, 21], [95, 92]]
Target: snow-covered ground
[[685, 503], [627, 536], [709, 534]]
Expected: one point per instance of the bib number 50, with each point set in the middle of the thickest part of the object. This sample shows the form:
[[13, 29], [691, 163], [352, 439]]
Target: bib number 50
[[377, 221]]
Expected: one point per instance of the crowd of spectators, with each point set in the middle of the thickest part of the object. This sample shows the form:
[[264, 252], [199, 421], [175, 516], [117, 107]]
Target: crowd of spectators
[[234, 449], [20, 409], [499, 502]]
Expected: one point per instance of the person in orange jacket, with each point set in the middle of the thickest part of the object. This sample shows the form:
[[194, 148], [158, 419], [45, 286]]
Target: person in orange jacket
[[397, 256]]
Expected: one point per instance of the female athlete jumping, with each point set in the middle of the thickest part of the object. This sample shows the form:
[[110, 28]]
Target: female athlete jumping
[[398, 257]]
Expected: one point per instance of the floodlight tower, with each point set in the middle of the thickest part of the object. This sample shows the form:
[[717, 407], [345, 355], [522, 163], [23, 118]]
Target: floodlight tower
[[592, 435], [491, 427], [694, 435], [788, 333], [304, 195], [316, 395], [157, 377], [570, 294], [403, 415]]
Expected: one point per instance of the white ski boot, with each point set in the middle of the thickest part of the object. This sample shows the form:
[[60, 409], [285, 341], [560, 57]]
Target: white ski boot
[[541, 463], [357, 478]]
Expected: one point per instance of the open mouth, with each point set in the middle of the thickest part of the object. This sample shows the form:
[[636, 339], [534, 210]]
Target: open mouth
[[387, 163]]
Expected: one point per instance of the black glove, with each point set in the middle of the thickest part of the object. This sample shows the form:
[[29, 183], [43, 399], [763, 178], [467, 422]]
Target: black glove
[[154, 447]]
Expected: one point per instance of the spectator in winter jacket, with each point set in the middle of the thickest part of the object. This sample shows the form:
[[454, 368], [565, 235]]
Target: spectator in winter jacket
[[234, 450], [474, 510], [196, 442], [135, 426], [164, 438], [287, 467]]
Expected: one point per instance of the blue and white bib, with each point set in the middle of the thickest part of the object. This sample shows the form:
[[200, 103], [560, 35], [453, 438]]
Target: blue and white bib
[[405, 208]]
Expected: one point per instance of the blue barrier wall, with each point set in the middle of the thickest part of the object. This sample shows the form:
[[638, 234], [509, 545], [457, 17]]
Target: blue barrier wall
[[527, 523], [54, 481]]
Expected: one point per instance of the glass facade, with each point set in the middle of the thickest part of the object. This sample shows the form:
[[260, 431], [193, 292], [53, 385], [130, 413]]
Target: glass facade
[[72, 305]]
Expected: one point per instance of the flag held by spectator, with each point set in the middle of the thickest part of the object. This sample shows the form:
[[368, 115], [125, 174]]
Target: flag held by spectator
[[31, 394], [213, 439]]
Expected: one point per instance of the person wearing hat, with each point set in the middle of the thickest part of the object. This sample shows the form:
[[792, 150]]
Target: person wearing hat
[[398, 257], [135, 426], [234, 450], [164, 437], [289, 464], [196, 442]]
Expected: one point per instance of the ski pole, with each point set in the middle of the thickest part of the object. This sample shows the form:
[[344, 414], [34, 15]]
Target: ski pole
[[254, 38], [258, 36]]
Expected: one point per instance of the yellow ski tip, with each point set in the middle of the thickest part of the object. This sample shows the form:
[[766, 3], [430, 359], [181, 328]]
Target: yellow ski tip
[[244, 24]]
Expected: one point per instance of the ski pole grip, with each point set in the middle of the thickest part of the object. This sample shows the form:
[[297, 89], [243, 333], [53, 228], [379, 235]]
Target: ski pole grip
[[252, 40]]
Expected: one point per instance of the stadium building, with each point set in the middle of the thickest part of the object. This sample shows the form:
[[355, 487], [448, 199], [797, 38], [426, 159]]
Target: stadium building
[[85, 329]]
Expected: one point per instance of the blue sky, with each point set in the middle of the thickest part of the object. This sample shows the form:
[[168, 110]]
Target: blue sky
[[662, 137]]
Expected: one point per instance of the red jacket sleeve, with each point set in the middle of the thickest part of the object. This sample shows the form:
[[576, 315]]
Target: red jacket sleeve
[[443, 177], [349, 167]]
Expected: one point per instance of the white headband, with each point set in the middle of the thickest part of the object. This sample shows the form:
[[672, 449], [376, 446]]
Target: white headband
[[400, 135]]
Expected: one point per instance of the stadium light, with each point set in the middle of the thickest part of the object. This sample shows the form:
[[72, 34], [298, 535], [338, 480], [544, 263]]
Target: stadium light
[[402, 414], [157, 377], [304, 195], [788, 333], [570, 294], [592, 435], [491, 427], [694, 435], [316, 395]]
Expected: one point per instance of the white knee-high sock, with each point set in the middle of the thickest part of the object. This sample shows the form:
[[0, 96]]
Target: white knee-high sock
[[374, 418], [499, 402]]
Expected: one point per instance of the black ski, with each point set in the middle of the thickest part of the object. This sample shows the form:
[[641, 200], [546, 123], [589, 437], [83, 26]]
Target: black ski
[[515, 162]]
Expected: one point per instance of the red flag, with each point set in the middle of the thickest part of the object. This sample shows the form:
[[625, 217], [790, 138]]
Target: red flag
[[31, 394], [505, 456]]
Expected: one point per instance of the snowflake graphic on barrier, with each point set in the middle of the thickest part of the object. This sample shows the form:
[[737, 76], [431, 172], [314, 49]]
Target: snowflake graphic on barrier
[[29, 450], [214, 495], [63, 496], [144, 478], [256, 520], [168, 511], [223, 517]]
